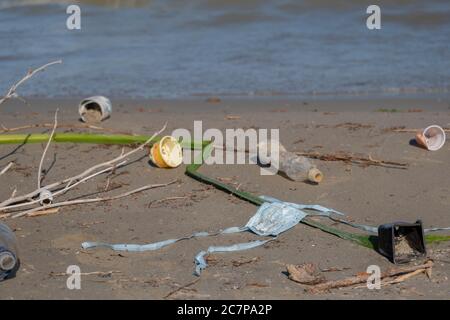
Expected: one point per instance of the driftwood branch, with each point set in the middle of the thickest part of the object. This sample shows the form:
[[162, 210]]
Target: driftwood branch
[[346, 157], [12, 92], [95, 273], [43, 212], [5, 169], [181, 288], [59, 192], [111, 164], [13, 193], [322, 287], [119, 158], [50, 138], [339, 156], [398, 279], [92, 200]]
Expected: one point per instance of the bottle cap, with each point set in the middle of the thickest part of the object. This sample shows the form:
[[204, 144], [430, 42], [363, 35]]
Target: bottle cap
[[7, 261], [315, 175]]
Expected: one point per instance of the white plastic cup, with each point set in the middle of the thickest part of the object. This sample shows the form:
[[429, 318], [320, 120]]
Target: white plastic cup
[[432, 138], [99, 103]]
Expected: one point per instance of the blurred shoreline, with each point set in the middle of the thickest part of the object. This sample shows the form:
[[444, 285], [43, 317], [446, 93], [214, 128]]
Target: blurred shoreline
[[180, 49], [217, 105]]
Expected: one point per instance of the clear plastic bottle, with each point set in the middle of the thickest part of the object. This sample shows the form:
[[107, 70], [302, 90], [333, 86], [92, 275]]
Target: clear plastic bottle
[[295, 167], [9, 261], [298, 168]]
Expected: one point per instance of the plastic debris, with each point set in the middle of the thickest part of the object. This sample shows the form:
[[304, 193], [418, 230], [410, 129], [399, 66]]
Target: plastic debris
[[9, 261], [95, 109], [402, 242], [299, 168], [315, 207], [271, 219], [295, 167], [265, 150], [200, 262], [45, 197], [431, 138], [167, 153]]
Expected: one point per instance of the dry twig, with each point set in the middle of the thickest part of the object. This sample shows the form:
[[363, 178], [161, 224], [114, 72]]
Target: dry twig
[[95, 273], [405, 277], [165, 200], [181, 288], [84, 201], [59, 192], [8, 166], [345, 157], [334, 269], [117, 159], [360, 278], [13, 193], [44, 212], [84, 176], [50, 138], [399, 279], [12, 92]]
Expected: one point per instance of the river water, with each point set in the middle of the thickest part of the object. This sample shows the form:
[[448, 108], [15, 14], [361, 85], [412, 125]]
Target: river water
[[176, 49]]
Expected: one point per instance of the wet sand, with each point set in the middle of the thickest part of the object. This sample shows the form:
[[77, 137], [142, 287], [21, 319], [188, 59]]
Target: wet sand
[[370, 195]]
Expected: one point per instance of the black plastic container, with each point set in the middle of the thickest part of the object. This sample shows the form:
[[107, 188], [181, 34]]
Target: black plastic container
[[401, 242]]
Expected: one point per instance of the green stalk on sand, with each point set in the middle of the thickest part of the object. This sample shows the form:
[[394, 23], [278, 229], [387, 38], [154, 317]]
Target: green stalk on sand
[[88, 138], [368, 241]]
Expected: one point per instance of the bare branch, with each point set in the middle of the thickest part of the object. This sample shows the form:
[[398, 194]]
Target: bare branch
[[12, 92], [83, 201], [69, 181], [349, 158], [95, 273], [59, 192], [181, 288], [50, 138], [122, 156], [322, 287], [13, 194], [6, 168]]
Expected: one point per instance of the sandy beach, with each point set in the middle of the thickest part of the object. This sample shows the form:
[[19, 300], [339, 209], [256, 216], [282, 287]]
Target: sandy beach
[[370, 195]]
